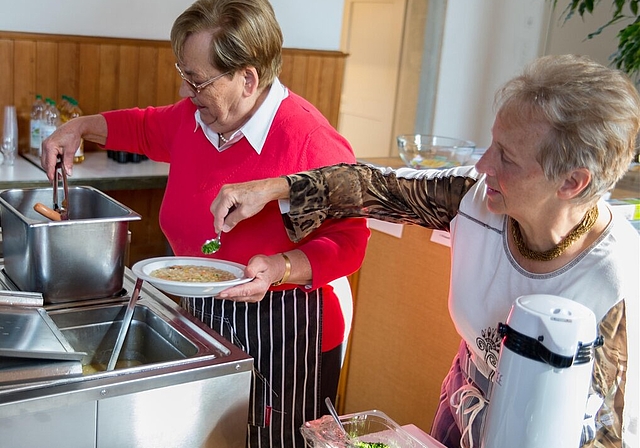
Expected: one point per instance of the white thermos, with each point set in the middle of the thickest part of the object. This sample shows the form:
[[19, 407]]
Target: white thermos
[[543, 375]]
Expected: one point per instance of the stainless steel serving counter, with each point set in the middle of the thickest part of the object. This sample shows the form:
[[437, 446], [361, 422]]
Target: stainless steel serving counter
[[176, 384]]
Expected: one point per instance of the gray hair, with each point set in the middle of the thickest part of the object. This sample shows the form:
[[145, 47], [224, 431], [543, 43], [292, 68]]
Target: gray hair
[[593, 112]]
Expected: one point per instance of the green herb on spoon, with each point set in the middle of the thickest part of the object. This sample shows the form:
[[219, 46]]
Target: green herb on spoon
[[211, 246]]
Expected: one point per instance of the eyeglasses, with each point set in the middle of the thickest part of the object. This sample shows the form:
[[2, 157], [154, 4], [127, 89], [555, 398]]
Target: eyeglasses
[[198, 87]]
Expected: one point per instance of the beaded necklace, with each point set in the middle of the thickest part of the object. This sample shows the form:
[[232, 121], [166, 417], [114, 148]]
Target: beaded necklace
[[583, 227]]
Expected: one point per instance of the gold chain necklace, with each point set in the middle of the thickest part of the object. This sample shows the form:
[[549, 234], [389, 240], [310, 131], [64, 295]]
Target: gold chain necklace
[[583, 227]]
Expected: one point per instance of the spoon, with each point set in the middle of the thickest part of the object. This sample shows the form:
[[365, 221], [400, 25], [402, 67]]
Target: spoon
[[335, 416], [211, 246]]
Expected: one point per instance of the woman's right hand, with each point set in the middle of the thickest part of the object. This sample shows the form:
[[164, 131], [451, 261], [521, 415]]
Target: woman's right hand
[[236, 202], [65, 141]]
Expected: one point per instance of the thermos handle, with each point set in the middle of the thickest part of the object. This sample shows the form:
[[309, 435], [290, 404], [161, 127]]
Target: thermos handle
[[533, 348]]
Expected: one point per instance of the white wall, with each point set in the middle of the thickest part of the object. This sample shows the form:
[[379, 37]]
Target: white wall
[[486, 42], [310, 24]]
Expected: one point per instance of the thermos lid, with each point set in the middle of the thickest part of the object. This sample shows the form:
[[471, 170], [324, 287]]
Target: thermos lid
[[558, 328]]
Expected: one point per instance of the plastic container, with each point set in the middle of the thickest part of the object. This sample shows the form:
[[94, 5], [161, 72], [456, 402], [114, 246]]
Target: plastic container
[[369, 426], [50, 121], [75, 112]]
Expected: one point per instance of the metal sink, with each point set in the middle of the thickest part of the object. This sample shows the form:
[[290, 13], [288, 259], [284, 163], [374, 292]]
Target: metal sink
[[153, 336]]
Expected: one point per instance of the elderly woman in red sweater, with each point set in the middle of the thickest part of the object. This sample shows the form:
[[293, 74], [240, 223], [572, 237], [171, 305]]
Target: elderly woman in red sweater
[[236, 123]]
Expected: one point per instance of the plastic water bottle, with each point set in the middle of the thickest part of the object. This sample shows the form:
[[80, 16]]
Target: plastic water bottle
[[37, 113], [50, 122], [63, 107], [74, 112]]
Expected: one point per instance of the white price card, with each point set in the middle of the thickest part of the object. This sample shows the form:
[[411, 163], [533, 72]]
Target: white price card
[[441, 237]]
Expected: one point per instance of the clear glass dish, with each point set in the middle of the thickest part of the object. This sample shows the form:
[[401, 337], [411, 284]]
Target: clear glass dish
[[368, 429]]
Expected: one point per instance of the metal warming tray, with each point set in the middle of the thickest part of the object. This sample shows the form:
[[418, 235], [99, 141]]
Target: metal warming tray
[[30, 333], [33, 348], [82, 258]]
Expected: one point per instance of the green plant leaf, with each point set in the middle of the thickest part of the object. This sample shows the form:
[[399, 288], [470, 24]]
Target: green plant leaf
[[627, 55]]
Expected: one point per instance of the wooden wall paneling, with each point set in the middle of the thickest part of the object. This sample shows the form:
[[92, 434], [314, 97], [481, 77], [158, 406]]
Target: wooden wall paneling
[[24, 81], [287, 68], [321, 84], [316, 76], [336, 91], [298, 77], [128, 76], [168, 78], [147, 76], [89, 78], [68, 69], [6, 73], [24, 73], [47, 69], [109, 71], [313, 82]]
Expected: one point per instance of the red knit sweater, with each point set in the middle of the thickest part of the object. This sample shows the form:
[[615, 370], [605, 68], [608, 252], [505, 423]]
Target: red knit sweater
[[300, 138]]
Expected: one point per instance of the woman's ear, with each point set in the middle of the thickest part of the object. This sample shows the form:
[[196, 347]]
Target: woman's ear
[[251, 81], [574, 183]]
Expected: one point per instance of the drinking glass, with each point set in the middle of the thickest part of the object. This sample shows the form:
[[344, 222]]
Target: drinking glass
[[9, 135]]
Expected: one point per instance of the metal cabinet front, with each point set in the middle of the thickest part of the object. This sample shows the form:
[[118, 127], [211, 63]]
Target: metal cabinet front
[[199, 414], [48, 423]]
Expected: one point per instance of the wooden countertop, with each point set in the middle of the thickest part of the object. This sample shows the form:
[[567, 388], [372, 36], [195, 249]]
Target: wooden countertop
[[97, 171]]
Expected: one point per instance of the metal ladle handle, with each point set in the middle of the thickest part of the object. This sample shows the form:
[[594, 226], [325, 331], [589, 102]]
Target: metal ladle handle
[[334, 414], [126, 321]]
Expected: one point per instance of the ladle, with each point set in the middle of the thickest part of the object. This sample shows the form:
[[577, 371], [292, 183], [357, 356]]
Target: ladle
[[126, 321]]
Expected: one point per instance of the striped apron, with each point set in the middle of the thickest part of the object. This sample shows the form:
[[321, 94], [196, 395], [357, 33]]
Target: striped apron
[[282, 333]]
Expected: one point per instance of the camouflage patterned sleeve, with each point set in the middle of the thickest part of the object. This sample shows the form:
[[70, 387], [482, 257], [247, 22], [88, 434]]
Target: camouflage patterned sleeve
[[347, 191], [608, 383]]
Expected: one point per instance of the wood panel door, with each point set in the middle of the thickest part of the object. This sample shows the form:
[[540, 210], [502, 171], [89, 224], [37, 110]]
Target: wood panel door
[[372, 37]]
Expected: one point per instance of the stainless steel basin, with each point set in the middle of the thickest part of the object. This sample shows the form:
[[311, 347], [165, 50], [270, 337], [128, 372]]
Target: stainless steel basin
[[78, 259], [151, 338]]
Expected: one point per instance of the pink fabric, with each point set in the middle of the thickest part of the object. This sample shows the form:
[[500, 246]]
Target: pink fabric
[[300, 138]]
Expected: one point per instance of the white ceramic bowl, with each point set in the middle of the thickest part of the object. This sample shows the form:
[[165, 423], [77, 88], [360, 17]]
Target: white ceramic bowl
[[423, 151], [144, 268]]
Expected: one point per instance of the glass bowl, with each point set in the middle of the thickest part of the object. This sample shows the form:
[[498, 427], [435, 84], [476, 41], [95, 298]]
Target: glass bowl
[[423, 151]]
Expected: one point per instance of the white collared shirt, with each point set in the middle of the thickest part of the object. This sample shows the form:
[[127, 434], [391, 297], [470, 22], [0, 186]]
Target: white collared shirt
[[256, 129]]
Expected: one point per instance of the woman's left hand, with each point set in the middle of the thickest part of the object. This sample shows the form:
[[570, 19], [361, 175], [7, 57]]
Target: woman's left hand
[[265, 270]]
